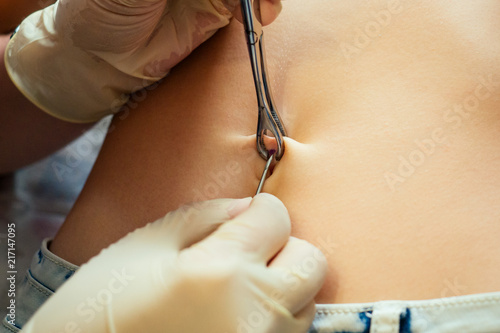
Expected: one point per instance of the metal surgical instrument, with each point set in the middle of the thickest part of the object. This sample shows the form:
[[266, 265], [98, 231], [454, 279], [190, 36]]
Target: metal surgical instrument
[[264, 174], [269, 120]]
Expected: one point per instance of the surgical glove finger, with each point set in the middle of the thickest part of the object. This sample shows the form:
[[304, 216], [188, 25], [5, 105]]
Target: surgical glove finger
[[193, 222], [259, 232], [152, 280], [302, 268]]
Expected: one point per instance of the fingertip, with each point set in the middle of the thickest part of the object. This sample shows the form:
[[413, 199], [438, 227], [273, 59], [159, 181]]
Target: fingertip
[[268, 197], [292, 262], [238, 207], [306, 248], [193, 222], [275, 205], [270, 10], [310, 248], [261, 229]]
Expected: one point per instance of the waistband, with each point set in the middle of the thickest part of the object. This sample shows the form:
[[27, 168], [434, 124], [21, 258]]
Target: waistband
[[478, 313]]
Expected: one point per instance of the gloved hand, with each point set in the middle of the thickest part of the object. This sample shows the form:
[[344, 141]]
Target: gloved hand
[[179, 275], [80, 59]]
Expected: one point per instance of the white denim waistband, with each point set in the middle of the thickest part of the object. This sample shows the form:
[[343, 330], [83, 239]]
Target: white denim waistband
[[478, 313]]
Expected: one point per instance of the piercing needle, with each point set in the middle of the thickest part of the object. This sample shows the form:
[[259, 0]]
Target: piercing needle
[[264, 174]]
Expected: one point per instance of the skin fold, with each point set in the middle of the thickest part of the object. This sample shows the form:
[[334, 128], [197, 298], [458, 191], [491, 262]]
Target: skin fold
[[391, 165]]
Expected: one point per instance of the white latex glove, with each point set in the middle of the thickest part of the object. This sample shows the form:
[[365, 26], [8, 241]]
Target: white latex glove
[[79, 60], [170, 276]]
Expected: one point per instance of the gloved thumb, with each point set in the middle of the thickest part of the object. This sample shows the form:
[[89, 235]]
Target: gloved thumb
[[189, 224], [257, 233]]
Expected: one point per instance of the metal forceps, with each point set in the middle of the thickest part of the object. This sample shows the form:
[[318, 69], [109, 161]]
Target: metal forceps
[[269, 121]]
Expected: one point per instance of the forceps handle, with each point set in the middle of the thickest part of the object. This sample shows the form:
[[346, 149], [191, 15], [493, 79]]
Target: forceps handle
[[269, 118]]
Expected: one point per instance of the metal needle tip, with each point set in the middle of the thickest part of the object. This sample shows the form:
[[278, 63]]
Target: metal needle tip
[[264, 174]]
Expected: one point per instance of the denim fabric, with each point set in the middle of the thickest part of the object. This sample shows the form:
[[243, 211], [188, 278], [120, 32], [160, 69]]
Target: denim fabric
[[47, 272], [479, 313]]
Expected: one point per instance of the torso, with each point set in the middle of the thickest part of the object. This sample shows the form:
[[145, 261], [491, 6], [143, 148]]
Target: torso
[[397, 184]]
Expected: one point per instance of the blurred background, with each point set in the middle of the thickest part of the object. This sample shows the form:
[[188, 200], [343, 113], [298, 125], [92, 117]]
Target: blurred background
[[38, 197]]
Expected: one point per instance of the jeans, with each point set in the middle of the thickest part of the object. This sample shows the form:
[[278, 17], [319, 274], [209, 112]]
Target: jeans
[[47, 272], [478, 313]]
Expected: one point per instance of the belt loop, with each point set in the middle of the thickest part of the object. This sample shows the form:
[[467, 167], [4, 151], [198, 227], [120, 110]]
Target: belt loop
[[386, 316]]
